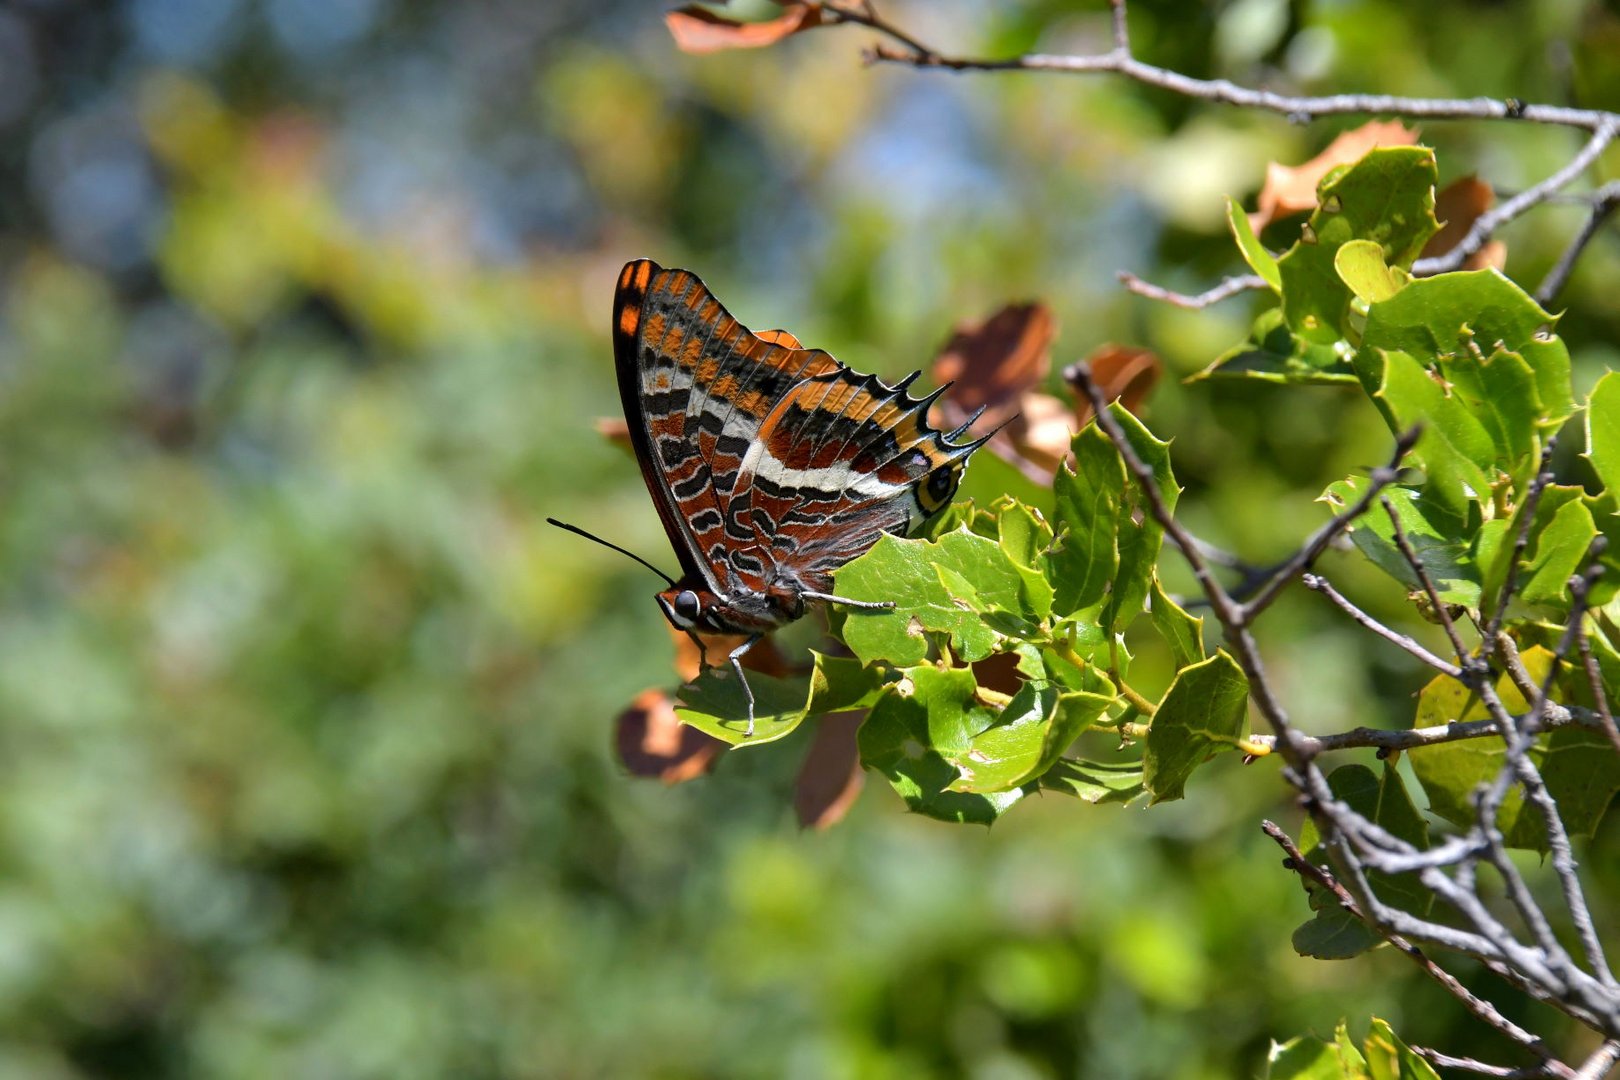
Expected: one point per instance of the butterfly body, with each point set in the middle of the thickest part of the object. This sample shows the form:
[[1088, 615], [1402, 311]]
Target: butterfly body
[[771, 465]]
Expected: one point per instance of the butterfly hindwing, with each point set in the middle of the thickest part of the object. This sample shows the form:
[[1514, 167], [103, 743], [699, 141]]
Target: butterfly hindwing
[[770, 464]]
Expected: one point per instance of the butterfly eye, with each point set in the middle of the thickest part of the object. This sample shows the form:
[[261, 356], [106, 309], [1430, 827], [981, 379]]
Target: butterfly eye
[[939, 487], [687, 605]]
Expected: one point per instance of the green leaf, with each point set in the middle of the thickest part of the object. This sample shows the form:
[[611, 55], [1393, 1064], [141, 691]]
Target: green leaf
[[1026, 739], [1580, 768], [1467, 316], [1386, 197], [1436, 534], [1094, 781], [1273, 353], [1388, 1058], [1259, 259], [1360, 265], [1560, 548], [1456, 450], [1181, 631], [963, 585], [715, 705], [917, 730], [1603, 431], [1335, 934], [1110, 541], [1203, 712], [1308, 1058], [1024, 536]]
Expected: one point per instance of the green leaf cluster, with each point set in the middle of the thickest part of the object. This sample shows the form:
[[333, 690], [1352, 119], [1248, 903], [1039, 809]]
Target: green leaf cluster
[[1053, 594], [1381, 1056]]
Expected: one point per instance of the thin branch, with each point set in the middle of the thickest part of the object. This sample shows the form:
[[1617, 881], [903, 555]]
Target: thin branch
[[1594, 681], [1521, 539], [1416, 563], [1487, 223], [1320, 584], [1481, 1008], [1309, 551], [1230, 287], [1481, 1068], [1391, 740], [1604, 202], [1294, 107]]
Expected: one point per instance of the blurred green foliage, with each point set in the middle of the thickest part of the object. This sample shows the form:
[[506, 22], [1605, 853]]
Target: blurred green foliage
[[305, 714]]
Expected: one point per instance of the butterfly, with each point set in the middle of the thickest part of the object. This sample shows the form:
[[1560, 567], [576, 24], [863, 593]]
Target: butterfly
[[771, 465]]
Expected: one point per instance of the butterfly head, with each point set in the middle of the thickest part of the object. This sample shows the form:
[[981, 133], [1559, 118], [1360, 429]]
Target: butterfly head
[[692, 608]]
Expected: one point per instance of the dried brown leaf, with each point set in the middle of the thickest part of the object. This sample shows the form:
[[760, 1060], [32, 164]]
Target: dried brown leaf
[[1290, 189], [830, 778], [1458, 206], [653, 743], [1124, 373], [994, 362], [699, 30], [1043, 430], [615, 431]]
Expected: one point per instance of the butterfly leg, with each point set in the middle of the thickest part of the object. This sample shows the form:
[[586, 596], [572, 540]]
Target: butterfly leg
[[864, 605], [736, 656]]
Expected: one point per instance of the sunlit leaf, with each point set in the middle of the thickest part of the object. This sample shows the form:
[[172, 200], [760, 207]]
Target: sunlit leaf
[[1260, 260], [1204, 712], [715, 703], [1435, 533], [1094, 781]]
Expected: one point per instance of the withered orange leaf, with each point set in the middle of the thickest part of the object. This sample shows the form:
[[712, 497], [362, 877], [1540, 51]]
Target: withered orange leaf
[[1458, 206], [653, 743], [830, 778], [1290, 189], [615, 431], [764, 658], [699, 30], [1044, 429]]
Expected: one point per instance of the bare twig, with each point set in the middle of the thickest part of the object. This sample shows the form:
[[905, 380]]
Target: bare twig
[[1604, 202], [1308, 552], [1390, 740], [1487, 223], [1230, 287], [1441, 612], [1481, 1008], [1405, 641], [1481, 1068]]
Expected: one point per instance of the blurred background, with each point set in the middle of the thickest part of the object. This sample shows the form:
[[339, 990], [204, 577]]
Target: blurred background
[[306, 760]]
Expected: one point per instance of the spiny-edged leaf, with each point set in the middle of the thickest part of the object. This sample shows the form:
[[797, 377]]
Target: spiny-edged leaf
[[1094, 781], [1360, 265], [1274, 353], [1203, 712], [1140, 534], [1437, 535], [1306, 1057], [914, 575], [1029, 735], [1090, 501], [1559, 550], [1110, 540], [1080, 663], [1259, 259], [1476, 314], [1181, 631], [1603, 431], [1580, 768], [715, 705], [1388, 1058], [1386, 197], [914, 732], [1381, 797], [1024, 536], [1456, 450]]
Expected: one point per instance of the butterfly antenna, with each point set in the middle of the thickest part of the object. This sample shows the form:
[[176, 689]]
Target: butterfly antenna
[[592, 536]]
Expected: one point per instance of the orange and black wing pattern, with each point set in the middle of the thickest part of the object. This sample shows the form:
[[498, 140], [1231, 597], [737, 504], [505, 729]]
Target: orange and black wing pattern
[[771, 465]]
